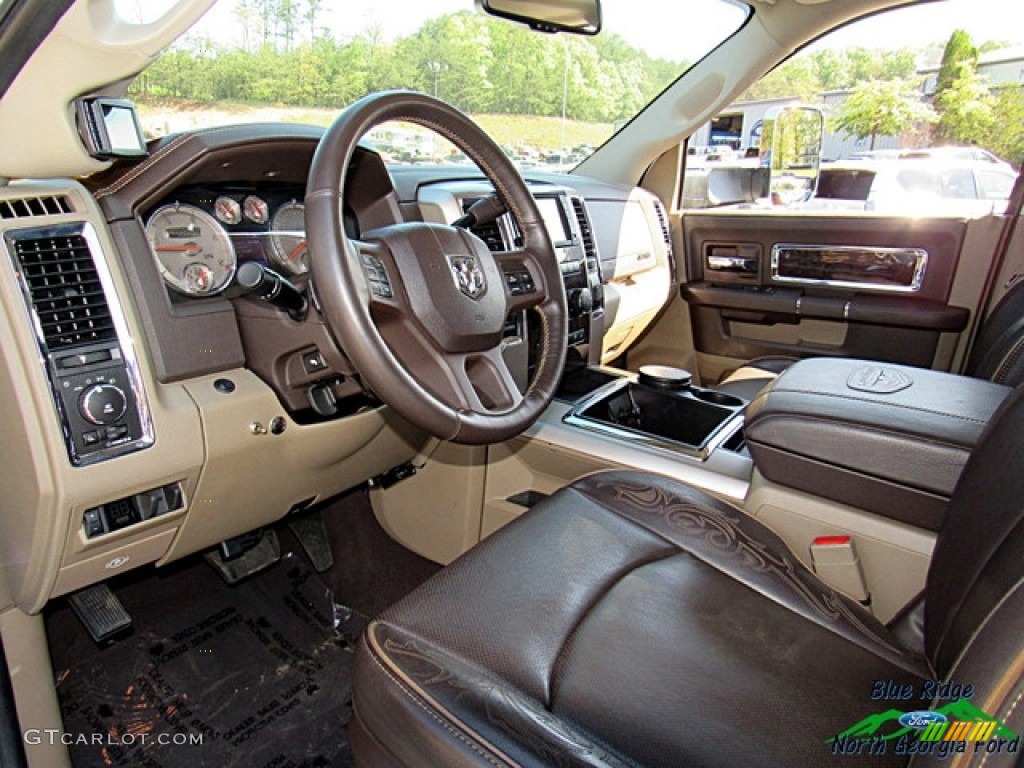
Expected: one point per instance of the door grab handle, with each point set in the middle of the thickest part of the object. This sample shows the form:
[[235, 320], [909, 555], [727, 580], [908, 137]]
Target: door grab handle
[[732, 264]]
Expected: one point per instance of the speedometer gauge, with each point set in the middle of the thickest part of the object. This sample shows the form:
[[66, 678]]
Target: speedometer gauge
[[288, 238], [192, 251]]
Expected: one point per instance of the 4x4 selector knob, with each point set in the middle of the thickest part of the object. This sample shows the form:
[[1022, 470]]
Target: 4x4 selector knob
[[102, 404]]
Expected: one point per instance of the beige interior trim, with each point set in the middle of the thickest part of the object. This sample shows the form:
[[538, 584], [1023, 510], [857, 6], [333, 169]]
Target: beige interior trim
[[668, 341], [895, 557], [28, 660], [969, 281], [103, 50], [436, 512]]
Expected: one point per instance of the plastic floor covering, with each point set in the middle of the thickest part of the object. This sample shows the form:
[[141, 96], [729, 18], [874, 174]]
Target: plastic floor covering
[[254, 675]]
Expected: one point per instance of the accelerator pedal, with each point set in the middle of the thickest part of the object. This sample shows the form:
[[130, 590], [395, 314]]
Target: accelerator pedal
[[243, 556], [101, 612]]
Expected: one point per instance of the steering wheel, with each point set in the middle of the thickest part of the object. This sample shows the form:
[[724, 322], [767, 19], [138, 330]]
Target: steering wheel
[[419, 308]]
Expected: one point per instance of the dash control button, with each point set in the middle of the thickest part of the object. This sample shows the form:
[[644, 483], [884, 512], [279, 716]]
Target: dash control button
[[313, 362]]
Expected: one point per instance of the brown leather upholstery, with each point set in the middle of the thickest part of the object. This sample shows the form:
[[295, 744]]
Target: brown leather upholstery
[[629, 620]]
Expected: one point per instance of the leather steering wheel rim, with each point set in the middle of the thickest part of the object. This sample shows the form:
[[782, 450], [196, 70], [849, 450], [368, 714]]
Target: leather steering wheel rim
[[411, 348]]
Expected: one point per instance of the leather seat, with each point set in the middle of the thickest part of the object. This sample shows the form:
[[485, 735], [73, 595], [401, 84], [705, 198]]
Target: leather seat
[[998, 353], [630, 620]]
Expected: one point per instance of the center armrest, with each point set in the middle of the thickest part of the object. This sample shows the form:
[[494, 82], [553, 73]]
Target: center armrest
[[878, 436]]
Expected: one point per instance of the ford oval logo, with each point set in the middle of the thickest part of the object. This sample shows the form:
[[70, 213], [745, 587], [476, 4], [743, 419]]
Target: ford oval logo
[[117, 562], [921, 719]]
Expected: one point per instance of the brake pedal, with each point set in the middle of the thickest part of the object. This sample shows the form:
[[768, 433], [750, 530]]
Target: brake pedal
[[101, 612], [311, 531]]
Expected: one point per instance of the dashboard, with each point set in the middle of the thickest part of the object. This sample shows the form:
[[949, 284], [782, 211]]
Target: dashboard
[[170, 408]]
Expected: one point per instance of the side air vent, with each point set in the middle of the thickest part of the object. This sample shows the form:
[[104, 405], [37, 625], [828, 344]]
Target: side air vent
[[663, 220], [28, 207], [65, 290], [586, 233]]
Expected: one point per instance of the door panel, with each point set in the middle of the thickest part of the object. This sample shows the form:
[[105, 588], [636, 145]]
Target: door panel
[[801, 285]]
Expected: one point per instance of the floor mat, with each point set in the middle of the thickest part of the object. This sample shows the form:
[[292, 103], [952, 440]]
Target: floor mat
[[256, 675]]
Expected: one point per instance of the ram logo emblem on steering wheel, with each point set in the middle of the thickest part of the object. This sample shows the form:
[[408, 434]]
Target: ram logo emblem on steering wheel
[[469, 278]]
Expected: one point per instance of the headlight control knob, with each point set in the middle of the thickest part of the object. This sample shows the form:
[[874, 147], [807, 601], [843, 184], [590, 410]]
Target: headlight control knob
[[102, 404]]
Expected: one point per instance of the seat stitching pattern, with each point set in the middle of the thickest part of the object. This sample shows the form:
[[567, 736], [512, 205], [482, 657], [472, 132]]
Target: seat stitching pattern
[[433, 711], [1008, 361], [777, 389], [724, 535]]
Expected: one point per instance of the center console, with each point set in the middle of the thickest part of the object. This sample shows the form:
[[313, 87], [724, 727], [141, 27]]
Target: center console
[[884, 438]]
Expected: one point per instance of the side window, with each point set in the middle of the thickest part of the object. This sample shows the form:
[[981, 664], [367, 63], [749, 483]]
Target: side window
[[994, 186], [935, 112]]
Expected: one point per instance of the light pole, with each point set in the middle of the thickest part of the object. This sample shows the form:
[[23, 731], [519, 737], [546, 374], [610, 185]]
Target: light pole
[[565, 92], [437, 67]]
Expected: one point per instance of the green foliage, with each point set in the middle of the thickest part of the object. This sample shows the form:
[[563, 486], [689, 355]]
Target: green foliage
[[959, 51], [965, 106], [804, 77], [882, 108], [1005, 135], [477, 63]]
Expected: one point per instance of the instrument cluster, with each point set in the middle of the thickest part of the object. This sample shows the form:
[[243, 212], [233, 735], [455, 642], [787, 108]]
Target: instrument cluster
[[199, 235]]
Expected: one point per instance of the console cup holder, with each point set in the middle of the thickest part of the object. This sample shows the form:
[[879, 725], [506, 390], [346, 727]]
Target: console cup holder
[[686, 418], [718, 398]]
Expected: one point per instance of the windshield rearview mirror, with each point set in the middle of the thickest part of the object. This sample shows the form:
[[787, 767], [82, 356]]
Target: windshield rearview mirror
[[582, 17], [791, 142]]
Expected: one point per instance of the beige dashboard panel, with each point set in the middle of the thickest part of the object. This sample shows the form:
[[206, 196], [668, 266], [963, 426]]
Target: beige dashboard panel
[[38, 525], [255, 473], [894, 556]]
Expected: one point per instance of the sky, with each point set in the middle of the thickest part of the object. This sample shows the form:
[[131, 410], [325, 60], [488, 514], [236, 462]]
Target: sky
[[701, 22]]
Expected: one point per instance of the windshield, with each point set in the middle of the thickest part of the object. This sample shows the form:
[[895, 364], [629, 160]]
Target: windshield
[[548, 100]]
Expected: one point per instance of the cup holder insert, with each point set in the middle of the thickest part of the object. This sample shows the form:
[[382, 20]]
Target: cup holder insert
[[689, 417]]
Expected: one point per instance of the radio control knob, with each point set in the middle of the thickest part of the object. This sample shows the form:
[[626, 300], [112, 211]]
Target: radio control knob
[[102, 404], [581, 301]]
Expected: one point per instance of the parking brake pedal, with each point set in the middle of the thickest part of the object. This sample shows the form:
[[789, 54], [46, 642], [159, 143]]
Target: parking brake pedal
[[101, 612], [243, 556]]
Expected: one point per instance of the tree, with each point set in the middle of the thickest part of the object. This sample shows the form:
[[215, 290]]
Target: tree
[[882, 108], [1006, 135], [965, 107], [959, 50]]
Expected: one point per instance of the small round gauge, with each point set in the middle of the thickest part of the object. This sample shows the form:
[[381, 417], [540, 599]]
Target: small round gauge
[[193, 252], [288, 238], [256, 209], [227, 209]]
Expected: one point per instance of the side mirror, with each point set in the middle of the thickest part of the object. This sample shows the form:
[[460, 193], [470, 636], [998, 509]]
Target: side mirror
[[791, 142], [581, 17]]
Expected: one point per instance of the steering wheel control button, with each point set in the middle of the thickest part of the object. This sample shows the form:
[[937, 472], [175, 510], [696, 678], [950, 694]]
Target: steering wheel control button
[[377, 276], [102, 404], [224, 386], [519, 281]]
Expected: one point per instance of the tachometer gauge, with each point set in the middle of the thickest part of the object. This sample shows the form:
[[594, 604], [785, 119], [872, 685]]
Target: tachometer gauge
[[228, 210], [288, 238], [193, 252], [255, 209]]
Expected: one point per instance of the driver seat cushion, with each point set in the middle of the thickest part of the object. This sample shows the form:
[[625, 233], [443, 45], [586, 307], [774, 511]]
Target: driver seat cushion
[[625, 620]]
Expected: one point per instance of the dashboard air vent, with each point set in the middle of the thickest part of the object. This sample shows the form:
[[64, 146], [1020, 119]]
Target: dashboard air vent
[[490, 232], [27, 207], [66, 293], [586, 233], [663, 220]]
